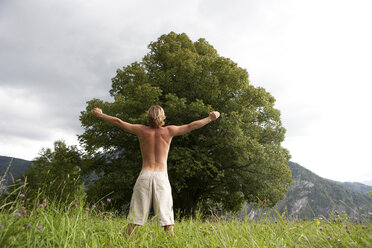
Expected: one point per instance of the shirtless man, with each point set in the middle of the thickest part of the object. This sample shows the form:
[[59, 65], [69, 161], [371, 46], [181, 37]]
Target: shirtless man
[[152, 185]]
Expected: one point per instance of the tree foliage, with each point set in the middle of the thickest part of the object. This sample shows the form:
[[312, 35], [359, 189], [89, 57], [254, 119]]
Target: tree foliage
[[56, 174], [234, 159]]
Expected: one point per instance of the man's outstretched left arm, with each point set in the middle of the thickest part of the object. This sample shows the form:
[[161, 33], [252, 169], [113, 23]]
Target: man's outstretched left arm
[[179, 130], [131, 128]]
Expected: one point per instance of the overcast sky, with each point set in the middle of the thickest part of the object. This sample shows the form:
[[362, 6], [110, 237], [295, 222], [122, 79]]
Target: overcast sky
[[314, 57]]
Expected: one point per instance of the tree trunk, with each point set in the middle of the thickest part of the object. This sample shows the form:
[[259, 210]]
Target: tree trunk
[[187, 204]]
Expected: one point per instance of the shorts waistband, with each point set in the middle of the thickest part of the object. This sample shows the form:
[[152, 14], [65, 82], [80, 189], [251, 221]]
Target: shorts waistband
[[147, 172]]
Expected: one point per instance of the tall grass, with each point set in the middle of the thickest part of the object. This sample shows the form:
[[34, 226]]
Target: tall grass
[[50, 224], [40, 222]]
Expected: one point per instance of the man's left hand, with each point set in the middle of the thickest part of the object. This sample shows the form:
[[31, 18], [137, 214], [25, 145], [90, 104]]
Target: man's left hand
[[97, 111]]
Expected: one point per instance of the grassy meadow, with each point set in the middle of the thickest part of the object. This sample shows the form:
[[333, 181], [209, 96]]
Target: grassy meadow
[[39, 223]]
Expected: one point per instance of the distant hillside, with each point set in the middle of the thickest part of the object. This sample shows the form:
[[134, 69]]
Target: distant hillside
[[310, 194], [16, 169], [357, 187]]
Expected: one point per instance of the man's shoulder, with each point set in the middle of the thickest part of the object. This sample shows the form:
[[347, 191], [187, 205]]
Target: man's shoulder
[[139, 128], [170, 127], [148, 128]]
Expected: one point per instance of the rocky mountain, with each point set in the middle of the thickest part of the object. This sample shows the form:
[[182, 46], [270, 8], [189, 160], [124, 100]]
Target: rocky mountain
[[311, 195]]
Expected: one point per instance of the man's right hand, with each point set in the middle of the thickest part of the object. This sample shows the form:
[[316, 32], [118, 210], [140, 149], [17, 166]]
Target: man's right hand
[[214, 115]]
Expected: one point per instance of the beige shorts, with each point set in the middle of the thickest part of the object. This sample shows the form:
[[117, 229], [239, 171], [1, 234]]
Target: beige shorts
[[152, 188]]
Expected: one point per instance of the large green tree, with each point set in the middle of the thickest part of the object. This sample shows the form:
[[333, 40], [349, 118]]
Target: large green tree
[[235, 159]]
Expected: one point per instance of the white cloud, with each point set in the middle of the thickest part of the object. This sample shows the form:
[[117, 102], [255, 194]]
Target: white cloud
[[29, 123]]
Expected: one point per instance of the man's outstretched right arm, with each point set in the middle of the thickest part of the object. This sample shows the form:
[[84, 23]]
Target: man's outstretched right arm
[[179, 130], [131, 128]]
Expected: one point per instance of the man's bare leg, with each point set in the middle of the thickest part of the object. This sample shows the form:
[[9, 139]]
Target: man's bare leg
[[169, 229], [130, 228]]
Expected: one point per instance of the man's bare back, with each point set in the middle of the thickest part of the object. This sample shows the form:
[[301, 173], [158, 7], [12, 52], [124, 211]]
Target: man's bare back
[[155, 142]]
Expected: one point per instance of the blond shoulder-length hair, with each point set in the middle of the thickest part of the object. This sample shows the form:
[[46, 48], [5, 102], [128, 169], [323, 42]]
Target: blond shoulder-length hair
[[155, 116]]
